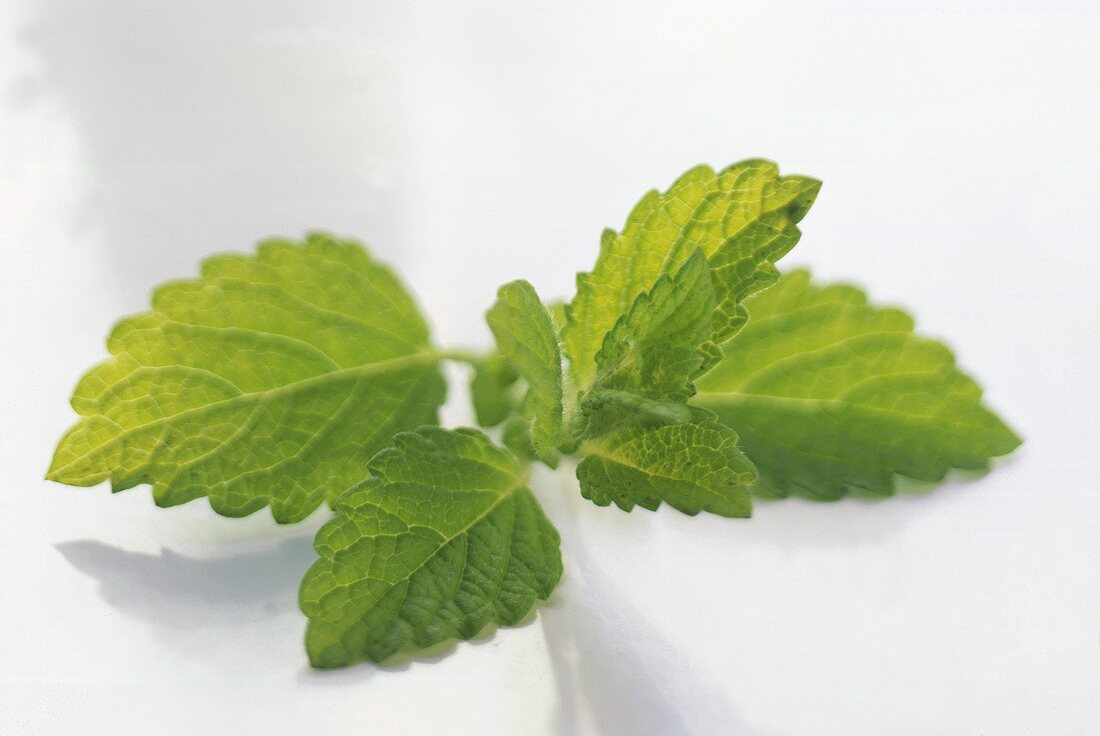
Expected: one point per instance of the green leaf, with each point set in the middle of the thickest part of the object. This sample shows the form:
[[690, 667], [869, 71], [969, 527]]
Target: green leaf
[[490, 390], [743, 266], [829, 394], [654, 349], [443, 539], [632, 405], [556, 309], [742, 218], [515, 434], [692, 466], [268, 381], [525, 336]]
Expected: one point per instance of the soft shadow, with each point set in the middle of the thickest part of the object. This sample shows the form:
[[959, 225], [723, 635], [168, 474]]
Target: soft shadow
[[615, 672], [796, 522], [181, 592], [204, 131], [404, 660]]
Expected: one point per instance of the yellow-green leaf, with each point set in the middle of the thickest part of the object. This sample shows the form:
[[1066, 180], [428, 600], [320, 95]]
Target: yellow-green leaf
[[829, 394], [692, 466], [742, 218], [270, 380], [656, 348]]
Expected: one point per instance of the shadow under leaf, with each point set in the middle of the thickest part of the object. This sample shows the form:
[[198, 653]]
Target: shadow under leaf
[[182, 592]]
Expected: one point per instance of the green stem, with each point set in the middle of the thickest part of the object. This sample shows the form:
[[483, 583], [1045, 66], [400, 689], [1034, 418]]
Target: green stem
[[462, 356]]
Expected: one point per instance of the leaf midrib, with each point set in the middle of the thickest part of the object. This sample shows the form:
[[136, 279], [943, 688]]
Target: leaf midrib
[[394, 364], [731, 398], [717, 397], [593, 449], [519, 483]]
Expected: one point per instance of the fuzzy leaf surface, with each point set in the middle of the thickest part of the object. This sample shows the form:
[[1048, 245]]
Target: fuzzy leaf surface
[[742, 218]]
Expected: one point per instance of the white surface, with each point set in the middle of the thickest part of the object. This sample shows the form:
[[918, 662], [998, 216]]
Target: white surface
[[473, 146]]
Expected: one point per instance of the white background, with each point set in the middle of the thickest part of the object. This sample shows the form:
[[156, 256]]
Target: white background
[[470, 145]]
